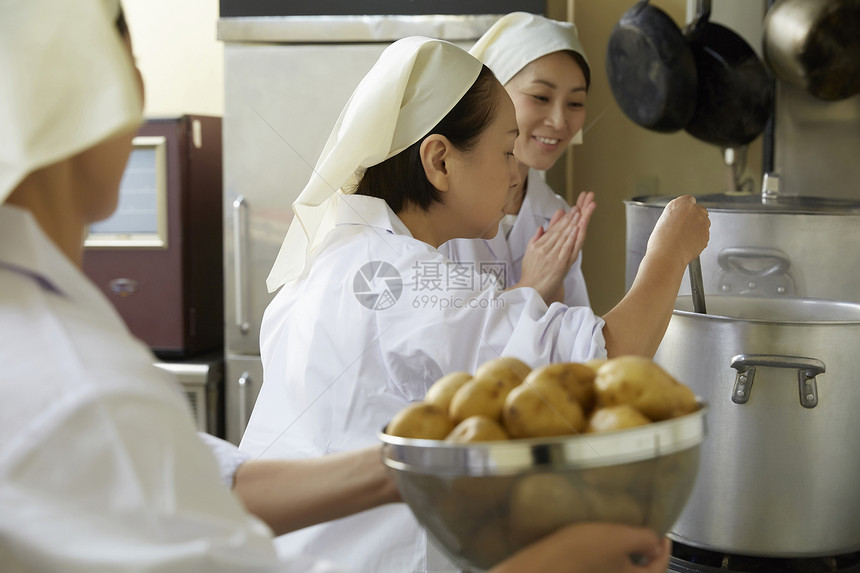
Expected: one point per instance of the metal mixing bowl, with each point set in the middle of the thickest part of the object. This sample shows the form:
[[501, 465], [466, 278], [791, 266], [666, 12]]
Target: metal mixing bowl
[[481, 502]]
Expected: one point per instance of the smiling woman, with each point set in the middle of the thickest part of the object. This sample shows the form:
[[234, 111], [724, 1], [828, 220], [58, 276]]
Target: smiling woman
[[549, 95], [543, 67]]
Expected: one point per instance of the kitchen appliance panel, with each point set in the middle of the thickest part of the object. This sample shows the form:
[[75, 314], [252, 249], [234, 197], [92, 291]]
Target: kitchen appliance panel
[[171, 295], [242, 382], [280, 105], [202, 380], [242, 8]]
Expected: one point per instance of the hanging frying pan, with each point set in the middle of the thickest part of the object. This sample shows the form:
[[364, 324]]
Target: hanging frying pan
[[651, 69], [815, 45], [734, 96]]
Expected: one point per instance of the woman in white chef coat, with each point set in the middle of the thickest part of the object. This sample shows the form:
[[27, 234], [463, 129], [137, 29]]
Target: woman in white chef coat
[[542, 65], [100, 466], [369, 313]]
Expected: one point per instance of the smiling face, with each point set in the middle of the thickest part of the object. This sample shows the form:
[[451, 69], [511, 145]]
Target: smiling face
[[482, 177], [549, 95]]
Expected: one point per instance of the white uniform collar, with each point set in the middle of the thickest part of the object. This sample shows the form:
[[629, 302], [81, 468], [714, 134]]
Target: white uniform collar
[[371, 212], [31, 254]]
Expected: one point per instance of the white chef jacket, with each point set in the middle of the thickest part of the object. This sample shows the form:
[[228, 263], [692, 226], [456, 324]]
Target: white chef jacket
[[336, 370], [538, 206], [101, 468]]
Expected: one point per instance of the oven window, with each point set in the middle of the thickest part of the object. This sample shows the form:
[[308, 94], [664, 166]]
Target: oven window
[[140, 217]]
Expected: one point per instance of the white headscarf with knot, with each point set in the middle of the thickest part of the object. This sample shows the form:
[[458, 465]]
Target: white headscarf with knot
[[410, 89], [66, 83]]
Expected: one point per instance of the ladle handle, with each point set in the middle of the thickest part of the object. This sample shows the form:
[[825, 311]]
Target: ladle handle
[[697, 287]]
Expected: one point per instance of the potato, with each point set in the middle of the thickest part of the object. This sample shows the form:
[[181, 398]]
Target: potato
[[618, 477], [641, 383], [490, 545], [420, 420], [481, 397], [614, 507], [541, 503], [543, 408], [461, 519], [477, 429], [511, 370], [488, 493], [441, 392], [616, 418], [573, 377]]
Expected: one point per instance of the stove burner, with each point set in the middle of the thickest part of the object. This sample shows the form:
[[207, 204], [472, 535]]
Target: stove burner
[[688, 559]]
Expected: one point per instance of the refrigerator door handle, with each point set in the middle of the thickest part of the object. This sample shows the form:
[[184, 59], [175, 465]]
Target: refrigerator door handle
[[244, 381], [240, 207]]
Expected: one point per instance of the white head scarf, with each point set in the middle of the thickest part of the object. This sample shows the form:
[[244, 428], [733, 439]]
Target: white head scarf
[[66, 83], [519, 38], [411, 88]]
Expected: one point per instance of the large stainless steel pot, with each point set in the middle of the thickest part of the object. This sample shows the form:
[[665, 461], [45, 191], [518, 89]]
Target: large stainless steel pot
[[780, 466], [788, 246]]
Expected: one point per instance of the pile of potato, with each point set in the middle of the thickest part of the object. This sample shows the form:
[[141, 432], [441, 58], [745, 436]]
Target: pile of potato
[[506, 399], [486, 518]]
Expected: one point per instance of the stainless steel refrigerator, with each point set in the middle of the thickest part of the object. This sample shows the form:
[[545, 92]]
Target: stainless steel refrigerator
[[288, 74]]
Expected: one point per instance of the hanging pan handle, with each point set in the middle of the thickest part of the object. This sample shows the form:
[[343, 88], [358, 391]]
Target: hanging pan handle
[[807, 370]]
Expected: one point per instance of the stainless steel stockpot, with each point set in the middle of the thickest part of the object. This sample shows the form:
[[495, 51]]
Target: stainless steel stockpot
[[779, 471], [783, 247]]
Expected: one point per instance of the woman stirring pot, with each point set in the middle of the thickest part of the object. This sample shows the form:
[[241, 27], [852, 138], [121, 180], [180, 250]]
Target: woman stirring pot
[[369, 313]]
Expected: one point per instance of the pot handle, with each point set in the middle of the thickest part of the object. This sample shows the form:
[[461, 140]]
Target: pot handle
[[734, 258], [807, 370]]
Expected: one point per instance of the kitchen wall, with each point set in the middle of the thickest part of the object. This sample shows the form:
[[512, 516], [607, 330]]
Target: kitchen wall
[[182, 64], [177, 51], [619, 160]]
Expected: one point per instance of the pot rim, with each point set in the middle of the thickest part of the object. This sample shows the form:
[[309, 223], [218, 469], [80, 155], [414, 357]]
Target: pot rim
[[753, 203], [691, 314]]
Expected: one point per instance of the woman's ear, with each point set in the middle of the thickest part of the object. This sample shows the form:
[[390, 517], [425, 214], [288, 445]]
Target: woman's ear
[[434, 152]]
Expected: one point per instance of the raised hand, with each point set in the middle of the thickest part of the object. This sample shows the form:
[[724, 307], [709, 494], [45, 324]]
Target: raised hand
[[682, 230], [550, 253], [586, 205]]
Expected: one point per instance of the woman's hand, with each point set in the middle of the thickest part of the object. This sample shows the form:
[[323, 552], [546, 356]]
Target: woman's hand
[[636, 325], [551, 252], [586, 205], [592, 548], [681, 232]]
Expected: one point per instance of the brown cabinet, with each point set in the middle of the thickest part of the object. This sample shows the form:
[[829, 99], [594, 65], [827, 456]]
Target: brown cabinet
[[158, 259]]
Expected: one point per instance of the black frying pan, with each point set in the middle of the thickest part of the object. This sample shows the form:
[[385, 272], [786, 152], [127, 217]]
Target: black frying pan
[[706, 79], [735, 92], [651, 69]]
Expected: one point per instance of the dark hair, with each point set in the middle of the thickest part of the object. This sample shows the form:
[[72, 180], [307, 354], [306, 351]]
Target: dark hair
[[583, 65], [400, 180]]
